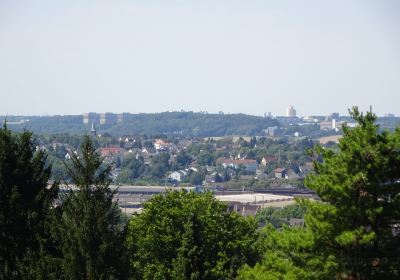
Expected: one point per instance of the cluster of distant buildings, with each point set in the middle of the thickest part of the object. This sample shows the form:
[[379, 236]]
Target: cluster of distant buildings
[[332, 121], [103, 118]]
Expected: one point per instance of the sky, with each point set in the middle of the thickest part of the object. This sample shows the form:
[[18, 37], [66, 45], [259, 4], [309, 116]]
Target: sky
[[69, 57]]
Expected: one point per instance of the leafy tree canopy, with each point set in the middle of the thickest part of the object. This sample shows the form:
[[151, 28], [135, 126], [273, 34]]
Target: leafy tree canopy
[[183, 235]]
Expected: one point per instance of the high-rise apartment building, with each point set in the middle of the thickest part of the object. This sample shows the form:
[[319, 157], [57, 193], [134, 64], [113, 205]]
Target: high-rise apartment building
[[108, 118], [290, 112], [102, 118], [89, 118]]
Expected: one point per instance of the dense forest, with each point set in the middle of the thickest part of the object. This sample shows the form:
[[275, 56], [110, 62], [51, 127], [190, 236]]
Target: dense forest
[[187, 124]]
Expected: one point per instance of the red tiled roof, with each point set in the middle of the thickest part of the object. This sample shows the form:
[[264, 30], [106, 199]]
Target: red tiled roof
[[109, 151], [279, 170]]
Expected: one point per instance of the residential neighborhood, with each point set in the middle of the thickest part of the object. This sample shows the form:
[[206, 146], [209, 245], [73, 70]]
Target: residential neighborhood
[[250, 162]]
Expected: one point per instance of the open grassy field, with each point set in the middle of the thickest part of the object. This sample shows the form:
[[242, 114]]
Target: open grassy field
[[333, 138]]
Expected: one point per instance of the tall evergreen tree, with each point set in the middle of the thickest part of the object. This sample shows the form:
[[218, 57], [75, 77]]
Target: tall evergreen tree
[[90, 231], [25, 201], [359, 186]]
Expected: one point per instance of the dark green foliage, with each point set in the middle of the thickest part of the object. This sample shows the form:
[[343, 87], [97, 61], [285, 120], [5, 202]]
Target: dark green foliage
[[280, 216], [197, 178], [148, 144], [189, 236], [170, 123], [65, 138], [159, 165], [205, 158], [358, 217], [58, 171], [25, 201], [290, 253], [131, 169], [50, 124], [218, 178], [195, 124], [89, 230], [183, 159]]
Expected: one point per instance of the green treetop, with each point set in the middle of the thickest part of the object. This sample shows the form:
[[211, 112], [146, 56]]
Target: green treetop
[[183, 235], [89, 229], [359, 213]]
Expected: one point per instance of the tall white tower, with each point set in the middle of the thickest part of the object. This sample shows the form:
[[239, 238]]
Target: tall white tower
[[290, 112]]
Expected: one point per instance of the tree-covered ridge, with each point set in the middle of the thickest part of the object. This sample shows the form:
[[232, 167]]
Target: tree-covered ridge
[[196, 124], [46, 124], [170, 123]]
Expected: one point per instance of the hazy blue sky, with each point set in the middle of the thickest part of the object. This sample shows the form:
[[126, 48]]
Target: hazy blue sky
[[69, 57]]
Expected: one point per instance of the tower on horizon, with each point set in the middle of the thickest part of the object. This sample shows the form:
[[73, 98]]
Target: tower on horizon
[[290, 112], [93, 131]]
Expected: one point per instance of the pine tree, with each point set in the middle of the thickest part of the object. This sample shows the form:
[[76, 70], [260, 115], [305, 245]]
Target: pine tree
[[90, 231], [359, 216], [25, 202]]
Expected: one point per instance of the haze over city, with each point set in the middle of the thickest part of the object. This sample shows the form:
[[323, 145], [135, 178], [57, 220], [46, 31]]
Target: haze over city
[[70, 57]]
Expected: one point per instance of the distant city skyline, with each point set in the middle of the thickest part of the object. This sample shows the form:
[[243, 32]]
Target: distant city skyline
[[265, 114], [70, 57]]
